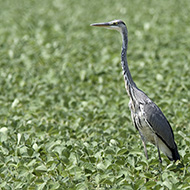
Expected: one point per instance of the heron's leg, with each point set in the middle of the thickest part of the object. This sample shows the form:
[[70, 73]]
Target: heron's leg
[[145, 150], [156, 142], [144, 144]]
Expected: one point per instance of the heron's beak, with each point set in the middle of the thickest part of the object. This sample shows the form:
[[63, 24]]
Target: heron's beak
[[105, 24]]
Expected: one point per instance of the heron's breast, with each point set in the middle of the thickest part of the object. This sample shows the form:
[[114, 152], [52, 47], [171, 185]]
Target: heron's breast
[[144, 128]]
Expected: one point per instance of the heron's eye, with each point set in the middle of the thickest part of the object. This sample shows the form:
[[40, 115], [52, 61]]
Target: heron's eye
[[115, 23]]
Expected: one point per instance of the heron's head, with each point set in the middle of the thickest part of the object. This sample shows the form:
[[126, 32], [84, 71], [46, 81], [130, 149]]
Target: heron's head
[[114, 25]]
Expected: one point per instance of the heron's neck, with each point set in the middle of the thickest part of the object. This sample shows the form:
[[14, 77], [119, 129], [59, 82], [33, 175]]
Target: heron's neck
[[129, 83]]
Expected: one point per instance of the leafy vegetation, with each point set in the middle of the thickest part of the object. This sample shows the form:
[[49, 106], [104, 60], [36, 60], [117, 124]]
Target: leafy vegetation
[[64, 117]]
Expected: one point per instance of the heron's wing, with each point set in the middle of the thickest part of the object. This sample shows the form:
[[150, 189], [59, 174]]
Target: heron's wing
[[159, 124]]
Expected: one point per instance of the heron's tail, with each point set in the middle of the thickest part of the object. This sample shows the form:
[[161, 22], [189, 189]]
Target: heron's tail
[[175, 154]]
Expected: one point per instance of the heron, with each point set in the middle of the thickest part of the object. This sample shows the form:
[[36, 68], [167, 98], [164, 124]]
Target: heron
[[147, 117]]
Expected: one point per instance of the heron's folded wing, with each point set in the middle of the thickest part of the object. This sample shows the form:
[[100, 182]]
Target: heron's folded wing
[[159, 124]]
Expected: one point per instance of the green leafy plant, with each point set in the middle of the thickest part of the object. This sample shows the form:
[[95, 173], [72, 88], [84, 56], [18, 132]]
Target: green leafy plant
[[64, 117]]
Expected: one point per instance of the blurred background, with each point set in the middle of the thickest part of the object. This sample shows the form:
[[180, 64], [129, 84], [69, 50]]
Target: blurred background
[[64, 117]]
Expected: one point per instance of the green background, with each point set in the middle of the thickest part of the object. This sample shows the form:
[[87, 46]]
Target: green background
[[64, 116]]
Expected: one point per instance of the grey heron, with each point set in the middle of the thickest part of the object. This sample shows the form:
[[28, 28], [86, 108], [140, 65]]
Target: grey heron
[[146, 115]]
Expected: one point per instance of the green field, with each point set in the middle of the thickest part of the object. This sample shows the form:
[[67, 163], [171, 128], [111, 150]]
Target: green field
[[64, 116]]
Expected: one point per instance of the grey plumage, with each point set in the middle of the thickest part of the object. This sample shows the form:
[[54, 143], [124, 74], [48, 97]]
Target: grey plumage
[[146, 115]]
